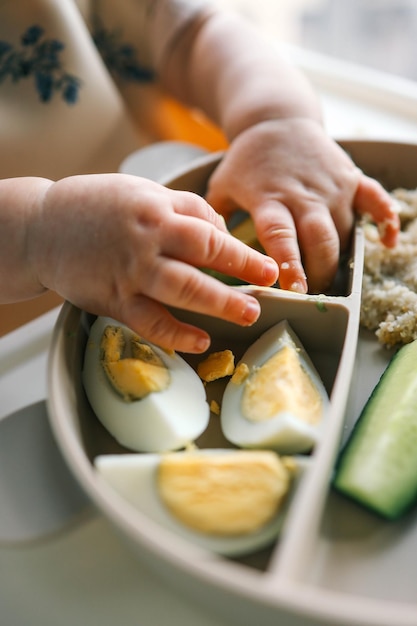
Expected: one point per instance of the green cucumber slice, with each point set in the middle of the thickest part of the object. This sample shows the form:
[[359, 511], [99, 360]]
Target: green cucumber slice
[[378, 465]]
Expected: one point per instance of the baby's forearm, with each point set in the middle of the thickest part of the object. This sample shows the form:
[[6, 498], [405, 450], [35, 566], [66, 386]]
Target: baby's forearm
[[237, 77], [20, 203]]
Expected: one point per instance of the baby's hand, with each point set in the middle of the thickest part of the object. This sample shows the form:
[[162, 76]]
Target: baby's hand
[[123, 246], [302, 191]]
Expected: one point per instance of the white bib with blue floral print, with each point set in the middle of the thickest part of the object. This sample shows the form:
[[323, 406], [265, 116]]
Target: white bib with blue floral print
[[71, 73]]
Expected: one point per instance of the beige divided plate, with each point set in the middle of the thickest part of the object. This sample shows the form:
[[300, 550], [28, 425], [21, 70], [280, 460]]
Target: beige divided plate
[[333, 563]]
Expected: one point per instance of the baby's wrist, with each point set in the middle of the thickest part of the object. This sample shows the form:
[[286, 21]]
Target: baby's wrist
[[271, 129], [37, 231], [275, 121]]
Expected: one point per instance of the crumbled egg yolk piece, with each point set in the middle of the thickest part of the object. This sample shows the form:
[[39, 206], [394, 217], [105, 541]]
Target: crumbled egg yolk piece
[[135, 376], [216, 365], [240, 374], [215, 407], [281, 384], [225, 494]]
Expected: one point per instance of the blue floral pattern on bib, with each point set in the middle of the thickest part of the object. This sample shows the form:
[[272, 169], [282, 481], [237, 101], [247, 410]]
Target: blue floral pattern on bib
[[120, 57], [39, 58]]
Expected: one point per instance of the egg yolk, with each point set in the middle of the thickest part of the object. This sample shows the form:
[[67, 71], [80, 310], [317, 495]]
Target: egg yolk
[[216, 365], [136, 375], [281, 385], [240, 374], [224, 494]]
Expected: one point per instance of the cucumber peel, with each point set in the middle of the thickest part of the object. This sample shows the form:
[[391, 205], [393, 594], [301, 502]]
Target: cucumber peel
[[378, 465]]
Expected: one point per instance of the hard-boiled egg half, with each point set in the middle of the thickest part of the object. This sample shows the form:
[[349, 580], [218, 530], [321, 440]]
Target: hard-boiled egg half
[[276, 398], [148, 399], [228, 501]]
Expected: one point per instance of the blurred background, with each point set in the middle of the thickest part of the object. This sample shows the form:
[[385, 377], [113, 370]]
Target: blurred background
[[381, 34]]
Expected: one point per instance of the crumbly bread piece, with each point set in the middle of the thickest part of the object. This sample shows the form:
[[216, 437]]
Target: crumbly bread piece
[[389, 291]]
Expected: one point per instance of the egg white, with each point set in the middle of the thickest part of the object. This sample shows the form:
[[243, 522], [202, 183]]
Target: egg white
[[134, 476], [161, 421], [284, 432]]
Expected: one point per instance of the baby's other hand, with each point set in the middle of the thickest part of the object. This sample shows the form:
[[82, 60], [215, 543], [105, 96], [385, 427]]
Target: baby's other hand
[[302, 191], [127, 247]]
